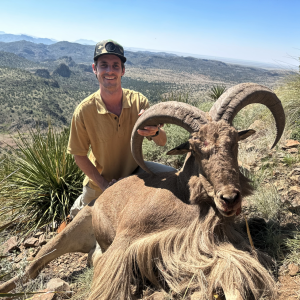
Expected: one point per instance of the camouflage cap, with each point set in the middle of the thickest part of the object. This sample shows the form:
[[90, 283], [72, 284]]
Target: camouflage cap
[[109, 47]]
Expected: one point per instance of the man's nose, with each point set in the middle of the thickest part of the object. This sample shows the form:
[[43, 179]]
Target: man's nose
[[109, 69]]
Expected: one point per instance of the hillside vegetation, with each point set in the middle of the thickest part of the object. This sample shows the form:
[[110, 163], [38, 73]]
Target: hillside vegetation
[[42, 82]]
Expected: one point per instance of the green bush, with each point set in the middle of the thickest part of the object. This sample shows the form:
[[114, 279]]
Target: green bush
[[44, 180], [216, 91], [294, 246], [289, 94]]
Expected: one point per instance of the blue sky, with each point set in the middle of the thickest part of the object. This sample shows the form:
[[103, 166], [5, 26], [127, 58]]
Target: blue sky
[[265, 31]]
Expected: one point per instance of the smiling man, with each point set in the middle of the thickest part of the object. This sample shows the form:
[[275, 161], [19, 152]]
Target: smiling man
[[102, 125]]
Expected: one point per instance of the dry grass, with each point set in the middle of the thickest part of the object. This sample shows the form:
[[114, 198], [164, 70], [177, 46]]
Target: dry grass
[[82, 285]]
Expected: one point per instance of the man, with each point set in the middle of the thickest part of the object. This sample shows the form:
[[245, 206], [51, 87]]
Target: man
[[102, 125]]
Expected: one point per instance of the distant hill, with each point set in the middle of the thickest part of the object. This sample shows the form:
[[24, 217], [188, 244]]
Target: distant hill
[[8, 38], [14, 61], [40, 52]]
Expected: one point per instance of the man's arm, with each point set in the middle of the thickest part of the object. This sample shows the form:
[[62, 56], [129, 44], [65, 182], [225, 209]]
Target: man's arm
[[90, 170]]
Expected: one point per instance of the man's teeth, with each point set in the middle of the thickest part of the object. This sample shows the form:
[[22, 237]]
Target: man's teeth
[[109, 77]]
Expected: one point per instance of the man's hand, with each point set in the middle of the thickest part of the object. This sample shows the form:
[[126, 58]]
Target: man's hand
[[111, 183], [149, 130]]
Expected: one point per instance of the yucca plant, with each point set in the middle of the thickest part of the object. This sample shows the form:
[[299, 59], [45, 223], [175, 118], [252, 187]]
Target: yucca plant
[[45, 182], [216, 91]]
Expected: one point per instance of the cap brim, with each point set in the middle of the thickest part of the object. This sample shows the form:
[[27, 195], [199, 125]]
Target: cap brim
[[123, 58]]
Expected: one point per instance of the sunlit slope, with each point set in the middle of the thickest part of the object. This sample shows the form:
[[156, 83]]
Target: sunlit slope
[[25, 97]]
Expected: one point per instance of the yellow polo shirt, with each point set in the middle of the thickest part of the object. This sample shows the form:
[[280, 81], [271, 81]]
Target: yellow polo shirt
[[107, 134]]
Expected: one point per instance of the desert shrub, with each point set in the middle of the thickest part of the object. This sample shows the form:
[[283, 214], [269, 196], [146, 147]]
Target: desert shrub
[[176, 96], [289, 94], [216, 91], [290, 160], [266, 202], [294, 246], [44, 180], [83, 283]]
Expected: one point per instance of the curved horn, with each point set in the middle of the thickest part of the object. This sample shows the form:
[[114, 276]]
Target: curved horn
[[172, 112], [238, 96]]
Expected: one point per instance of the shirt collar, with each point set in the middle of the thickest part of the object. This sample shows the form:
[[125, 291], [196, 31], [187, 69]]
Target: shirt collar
[[101, 107]]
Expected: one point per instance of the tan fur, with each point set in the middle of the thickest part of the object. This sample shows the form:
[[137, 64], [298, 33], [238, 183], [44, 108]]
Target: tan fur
[[208, 254], [174, 230]]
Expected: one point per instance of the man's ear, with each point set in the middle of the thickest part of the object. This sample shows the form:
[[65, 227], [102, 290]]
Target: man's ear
[[123, 71], [245, 133], [181, 149], [94, 69]]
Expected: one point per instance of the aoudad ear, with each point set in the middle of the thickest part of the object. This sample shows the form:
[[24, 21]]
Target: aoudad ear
[[181, 149], [243, 134]]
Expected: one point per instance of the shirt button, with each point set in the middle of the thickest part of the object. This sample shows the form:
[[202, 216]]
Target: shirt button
[[115, 118], [119, 125]]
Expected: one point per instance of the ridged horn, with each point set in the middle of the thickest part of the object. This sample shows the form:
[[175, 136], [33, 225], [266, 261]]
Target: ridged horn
[[238, 96], [172, 112]]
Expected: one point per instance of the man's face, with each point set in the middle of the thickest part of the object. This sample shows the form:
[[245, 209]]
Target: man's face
[[109, 71]]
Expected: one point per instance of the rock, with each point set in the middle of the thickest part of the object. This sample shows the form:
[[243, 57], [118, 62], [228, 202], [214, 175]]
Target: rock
[[48, 296], [38, 234], [293, 269], [295, 178], [291, 144], [296, 204], [295, 188], [58, 285], [292, 150], [11, 245], [31, 242], [42, 240], [20, 257], [295, 171]]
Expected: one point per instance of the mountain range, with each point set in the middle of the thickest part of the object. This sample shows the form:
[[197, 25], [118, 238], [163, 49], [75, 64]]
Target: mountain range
[[41, 82], [5, 37]]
